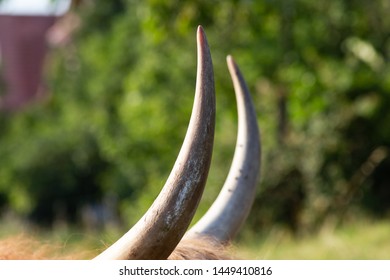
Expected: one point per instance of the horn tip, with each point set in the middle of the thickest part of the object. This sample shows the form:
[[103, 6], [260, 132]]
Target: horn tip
[[201, 35], [231, 63]]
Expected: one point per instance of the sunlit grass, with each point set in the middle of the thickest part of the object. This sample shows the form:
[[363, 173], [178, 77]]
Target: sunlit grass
[[362, 240]]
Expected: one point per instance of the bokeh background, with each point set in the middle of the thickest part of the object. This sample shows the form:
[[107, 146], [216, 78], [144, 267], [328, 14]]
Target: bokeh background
[[93, 153]]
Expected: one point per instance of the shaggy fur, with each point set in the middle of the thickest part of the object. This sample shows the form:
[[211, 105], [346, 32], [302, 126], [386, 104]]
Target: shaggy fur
[[22, 247], [28, 248], [200, 249]]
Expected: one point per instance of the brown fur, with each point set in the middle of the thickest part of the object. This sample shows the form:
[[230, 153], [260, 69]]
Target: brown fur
[[23, 247], [200, 249]]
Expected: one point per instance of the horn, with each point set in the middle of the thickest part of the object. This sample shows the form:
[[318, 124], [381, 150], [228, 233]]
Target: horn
[[161, 228], [232, 206]]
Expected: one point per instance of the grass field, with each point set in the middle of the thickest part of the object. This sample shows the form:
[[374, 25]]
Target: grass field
[[358, 241]]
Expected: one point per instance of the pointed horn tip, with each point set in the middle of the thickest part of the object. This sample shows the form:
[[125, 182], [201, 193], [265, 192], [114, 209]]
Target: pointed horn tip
[[201, 35], [232, 66], [200, 28]]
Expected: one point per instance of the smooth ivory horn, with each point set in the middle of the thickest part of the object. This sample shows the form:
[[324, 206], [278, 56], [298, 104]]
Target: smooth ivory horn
[[229, 211]]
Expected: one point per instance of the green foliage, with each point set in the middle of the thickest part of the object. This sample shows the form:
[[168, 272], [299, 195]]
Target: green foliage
[[122, 94]]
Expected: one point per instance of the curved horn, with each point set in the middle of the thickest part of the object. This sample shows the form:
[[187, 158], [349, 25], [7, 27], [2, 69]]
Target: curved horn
[[158, 232], [232, 206]]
